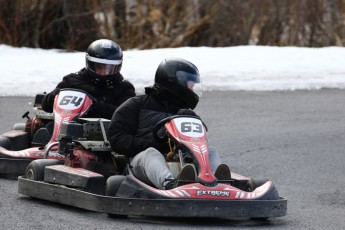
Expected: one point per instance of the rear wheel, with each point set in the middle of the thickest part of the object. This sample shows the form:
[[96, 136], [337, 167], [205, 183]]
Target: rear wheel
[[35, 170]]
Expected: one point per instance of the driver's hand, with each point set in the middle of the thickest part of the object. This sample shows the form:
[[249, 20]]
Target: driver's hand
[[161, 134], [186, 112], [55, 92], [95, 109], [190, 113]]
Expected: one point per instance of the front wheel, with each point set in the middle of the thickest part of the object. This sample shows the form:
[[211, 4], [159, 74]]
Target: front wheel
[[35, 170]]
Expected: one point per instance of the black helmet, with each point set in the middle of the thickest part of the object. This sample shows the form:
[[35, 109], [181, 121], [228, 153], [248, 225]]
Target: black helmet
[[181, 78], [103, 60]]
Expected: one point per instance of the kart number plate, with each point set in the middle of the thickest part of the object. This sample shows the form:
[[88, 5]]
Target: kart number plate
[[190, 127]]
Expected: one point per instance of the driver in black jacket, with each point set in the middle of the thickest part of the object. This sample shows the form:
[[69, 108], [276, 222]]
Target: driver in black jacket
[[101, 79], [176, 91]]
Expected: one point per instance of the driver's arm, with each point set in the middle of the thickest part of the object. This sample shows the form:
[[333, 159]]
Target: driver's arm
[[123, 128], [48, 100]]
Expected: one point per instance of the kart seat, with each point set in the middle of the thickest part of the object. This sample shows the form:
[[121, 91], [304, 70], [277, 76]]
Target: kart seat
[[5, 142], [41, 137], [38, 100]]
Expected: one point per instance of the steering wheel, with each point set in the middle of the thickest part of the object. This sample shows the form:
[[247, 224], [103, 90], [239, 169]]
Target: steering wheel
[[158, 132]]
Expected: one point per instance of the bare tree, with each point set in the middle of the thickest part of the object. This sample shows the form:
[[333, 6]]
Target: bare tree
[[147, 24]]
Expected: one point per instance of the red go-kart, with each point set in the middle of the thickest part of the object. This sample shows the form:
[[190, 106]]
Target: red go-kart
[[32, 140], [93, 177]]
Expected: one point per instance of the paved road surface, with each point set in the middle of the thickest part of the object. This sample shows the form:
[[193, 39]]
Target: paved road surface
[[296, 139]]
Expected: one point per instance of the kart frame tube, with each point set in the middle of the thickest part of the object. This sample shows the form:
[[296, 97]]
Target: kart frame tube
[[152, 207]]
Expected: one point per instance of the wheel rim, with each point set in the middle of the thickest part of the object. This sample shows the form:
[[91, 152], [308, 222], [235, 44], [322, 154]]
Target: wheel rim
[[30, 174]]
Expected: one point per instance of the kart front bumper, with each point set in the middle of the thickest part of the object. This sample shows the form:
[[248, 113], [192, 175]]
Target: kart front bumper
[[226, 209]]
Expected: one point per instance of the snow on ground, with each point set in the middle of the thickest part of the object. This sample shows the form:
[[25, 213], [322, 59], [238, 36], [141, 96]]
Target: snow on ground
[[27, 71]]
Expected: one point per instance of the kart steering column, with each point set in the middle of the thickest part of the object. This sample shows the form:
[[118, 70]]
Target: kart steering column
[[49, 147]]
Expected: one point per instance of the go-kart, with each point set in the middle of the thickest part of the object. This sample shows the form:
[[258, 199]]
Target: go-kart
[[93, 177], [28, 141]]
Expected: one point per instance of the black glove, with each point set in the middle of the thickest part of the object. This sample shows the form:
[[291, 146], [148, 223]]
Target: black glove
[[161, 135], [101, 110], [55, 91], [190, 113], [48, 100], [186, 112], [51, 96]]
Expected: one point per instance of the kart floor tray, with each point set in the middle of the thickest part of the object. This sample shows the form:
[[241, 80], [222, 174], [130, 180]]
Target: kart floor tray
[[153, 207]]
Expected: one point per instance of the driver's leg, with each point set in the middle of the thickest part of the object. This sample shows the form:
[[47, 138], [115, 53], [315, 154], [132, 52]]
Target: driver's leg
[[150, 167], [213, 158]]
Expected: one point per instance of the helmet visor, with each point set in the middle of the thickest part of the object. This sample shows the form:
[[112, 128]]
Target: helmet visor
[[191, 81], [103, 67]]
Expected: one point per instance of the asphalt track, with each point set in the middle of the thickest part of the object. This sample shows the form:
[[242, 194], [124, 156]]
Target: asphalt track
[[296, 139]]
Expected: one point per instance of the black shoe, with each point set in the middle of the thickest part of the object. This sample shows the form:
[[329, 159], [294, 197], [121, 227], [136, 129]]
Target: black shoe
[[187, 175], [223, 172], [170, 185]]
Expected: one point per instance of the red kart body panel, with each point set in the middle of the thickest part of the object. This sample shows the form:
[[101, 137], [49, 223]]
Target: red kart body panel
[[69, 105], [31, 153], [218, 192], [191, 133]]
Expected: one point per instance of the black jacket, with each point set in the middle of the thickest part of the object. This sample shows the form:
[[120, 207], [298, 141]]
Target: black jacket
[[108, 97], [130, 130]]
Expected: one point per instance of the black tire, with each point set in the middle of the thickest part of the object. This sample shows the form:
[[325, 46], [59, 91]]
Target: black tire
[[252, 184], [19, 126], [5, 143], [113, 184], [35, 170]]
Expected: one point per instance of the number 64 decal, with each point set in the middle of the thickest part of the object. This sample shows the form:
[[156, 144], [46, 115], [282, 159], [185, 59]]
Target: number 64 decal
[[71, 100], [191, 127]]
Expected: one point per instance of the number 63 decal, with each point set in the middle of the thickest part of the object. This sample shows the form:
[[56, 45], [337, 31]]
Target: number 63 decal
[[191, 127]]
